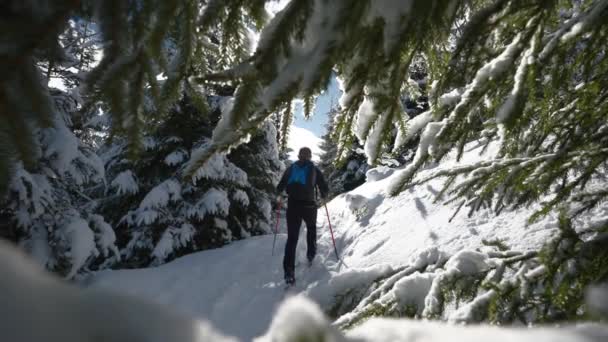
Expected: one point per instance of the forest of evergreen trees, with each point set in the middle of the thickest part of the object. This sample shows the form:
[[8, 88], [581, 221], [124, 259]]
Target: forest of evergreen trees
[[134, 132]]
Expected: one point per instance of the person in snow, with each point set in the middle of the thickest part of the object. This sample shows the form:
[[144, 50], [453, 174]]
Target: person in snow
[[301, 180]]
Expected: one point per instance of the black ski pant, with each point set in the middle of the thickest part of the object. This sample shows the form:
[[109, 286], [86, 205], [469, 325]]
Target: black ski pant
[[296, 212]]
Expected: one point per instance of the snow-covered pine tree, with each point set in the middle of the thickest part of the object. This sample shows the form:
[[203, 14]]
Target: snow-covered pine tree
[[135, 60], [497, 69], [160, 215], [259, 158], [81, 45], [346, 175], [350, 171], [47, 209], [489, 61]]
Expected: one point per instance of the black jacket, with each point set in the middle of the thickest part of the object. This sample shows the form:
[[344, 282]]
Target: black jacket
[[304, 192]]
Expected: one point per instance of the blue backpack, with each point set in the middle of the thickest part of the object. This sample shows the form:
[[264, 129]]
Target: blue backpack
[[298, 174]]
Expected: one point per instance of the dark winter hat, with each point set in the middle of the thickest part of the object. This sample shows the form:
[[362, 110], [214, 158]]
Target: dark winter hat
[[305, 154]]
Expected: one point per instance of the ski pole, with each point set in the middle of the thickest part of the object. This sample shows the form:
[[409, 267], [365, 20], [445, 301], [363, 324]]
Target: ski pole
[[276, 228], [332, 232]]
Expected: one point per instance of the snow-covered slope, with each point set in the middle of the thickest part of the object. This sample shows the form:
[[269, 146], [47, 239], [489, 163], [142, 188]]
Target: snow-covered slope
[[38, 307], [301, 137], [379, 237], [298, 320]]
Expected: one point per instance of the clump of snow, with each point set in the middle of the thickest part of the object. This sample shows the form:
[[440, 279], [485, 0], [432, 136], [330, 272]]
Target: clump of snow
[[145, 216], [450, 99], [467, 263], [463, 263], [67, 156], [378, 173], [241, 197], [412, 289], [366, 115], [373, 141], [426, 147], [275, 6], [149, 143], [298, 319], [34, 195], [413, 127], [172, 239], [218, 167], [582, 24], [104, 235], [427, 143], [175, 157], [125, 183], [160, 195], [468, 312], [214, 201], [164, 246], [428, 256], [356, 202], [496, 66], [81, 241], [395, 14], [218, 222], [352, 165], [505, 111], [225, 126], [324, 292]]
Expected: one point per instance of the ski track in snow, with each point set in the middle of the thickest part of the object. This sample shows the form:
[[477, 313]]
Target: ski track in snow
[[238, 287]]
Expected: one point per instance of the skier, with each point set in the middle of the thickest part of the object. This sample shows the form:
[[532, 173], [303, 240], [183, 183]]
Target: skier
[[301, 180]]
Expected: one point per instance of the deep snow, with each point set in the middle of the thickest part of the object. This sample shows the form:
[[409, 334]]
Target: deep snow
[[30, 313], [239, 287]]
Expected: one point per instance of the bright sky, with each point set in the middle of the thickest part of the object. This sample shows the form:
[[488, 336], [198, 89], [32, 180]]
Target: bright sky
[[301, 137], [316, 124], [309, 132]]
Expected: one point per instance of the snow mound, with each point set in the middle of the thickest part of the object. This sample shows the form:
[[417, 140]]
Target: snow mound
[[299, 319], [380, 330], [82, 243], [38, 307], [29, 313], [468, 262], [378, 173], [597, 299], [411, 290]]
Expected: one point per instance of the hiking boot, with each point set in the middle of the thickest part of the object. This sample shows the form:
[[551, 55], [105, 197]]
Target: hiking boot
[[290, 281]]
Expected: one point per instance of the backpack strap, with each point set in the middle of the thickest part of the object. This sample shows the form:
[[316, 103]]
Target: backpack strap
[[313, 179]]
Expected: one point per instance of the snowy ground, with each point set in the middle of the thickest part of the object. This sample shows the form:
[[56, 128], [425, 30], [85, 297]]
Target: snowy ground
[[238, 288], [30, 313]]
